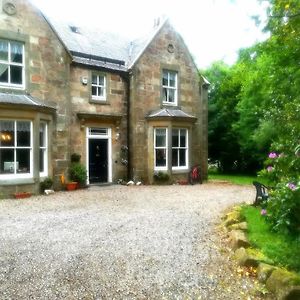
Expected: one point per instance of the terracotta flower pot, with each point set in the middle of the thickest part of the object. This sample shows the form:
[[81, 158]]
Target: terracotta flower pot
[[22, 195], [71, 186]]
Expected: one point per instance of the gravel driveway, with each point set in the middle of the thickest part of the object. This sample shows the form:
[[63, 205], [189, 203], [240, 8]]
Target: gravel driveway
[[116, 242]]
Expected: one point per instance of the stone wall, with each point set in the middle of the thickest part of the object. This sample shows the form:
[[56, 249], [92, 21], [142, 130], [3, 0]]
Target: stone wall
[[47, 77], [146, 96], [106, 111]]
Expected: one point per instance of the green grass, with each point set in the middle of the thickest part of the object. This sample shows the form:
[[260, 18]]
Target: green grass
[[236, 179], [284, 250]]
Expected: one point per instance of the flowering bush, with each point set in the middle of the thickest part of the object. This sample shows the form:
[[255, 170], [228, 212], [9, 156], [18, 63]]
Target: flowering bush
[[283, 172]]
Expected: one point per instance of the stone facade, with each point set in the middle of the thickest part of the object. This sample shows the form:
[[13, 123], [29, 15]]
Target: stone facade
[[146, 96], [111, 113], [74, 118], [47, 69]]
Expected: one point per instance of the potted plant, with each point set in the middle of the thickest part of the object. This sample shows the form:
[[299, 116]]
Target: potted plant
[[71, 186], [46, 184], [77, 171]]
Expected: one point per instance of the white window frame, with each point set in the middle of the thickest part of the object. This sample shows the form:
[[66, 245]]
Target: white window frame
[[179, 147], [106, 134], [160, 168], [45, 150], [10, 63], [96, 97], [16, 175], [168, 87]]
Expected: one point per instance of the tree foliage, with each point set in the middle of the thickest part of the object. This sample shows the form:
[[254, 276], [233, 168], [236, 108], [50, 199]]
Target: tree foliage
[[254, 107], [256, 102]]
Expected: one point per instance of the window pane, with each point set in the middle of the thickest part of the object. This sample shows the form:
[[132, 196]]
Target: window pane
[[16, 76], [172, 82], [175, 138], [7, 133], [42, 135], [94, 91], [42, 160], [3, 51], [23, 134], [98, 131], [165, 94], [182, 160], [7, 165], [100, 92], [160, 137], [171, 95], [4, 73], [16, 52], [94, 79], [182, 138], [161, 160], [101, 80], [23, 160], [165, 78], [174, 158]]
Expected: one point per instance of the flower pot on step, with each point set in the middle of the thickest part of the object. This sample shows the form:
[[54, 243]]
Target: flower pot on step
[[71, 186]]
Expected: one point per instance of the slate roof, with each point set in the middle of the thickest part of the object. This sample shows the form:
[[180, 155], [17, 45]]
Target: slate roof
[[170, 113], [91, 46], [22, 99]]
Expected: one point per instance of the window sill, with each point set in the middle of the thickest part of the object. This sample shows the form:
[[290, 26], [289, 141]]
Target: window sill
[[180, 171], [12, 87], [157, 169], [169, 104], [99, 101], [18, 181]]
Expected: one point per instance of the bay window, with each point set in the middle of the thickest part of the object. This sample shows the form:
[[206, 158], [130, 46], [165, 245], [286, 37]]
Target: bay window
[[160, 148], [43, 149], [15, 148], [179, 148], [12, 71]]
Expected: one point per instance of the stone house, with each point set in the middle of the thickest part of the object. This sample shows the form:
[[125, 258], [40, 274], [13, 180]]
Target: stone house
[[129, 108]]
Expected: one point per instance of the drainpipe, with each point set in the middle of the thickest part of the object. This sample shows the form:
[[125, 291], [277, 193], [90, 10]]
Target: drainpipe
[[126, 78]]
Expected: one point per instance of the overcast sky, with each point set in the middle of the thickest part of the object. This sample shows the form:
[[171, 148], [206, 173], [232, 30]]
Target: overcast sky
[[212, 29]]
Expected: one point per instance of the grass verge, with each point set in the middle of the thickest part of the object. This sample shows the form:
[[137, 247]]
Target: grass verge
[[284, 250], [236, 179]]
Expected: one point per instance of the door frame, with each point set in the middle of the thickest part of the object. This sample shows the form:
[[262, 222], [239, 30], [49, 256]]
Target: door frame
[[99, 137]]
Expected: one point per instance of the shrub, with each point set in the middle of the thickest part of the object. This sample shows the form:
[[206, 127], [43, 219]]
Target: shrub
[[46, 184], [283, 172], [161, 176], [77, 173]]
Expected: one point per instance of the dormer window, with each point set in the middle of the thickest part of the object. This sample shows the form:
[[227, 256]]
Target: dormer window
[[169, 86], [99, 87], [12, 66]]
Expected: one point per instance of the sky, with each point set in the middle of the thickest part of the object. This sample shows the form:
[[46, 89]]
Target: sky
[[212, 29]]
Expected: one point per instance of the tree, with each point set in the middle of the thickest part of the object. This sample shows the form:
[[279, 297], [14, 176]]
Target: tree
[[222, 141]]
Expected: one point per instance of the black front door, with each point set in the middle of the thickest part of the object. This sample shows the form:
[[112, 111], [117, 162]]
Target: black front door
[[98, 160]]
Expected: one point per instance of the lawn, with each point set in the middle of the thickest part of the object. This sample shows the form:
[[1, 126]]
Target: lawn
[[283, 249], [236, 179]]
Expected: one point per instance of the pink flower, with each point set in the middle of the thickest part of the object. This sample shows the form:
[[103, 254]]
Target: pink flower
[[273, 155], [291, 186], [270, 168], [263, 212]]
